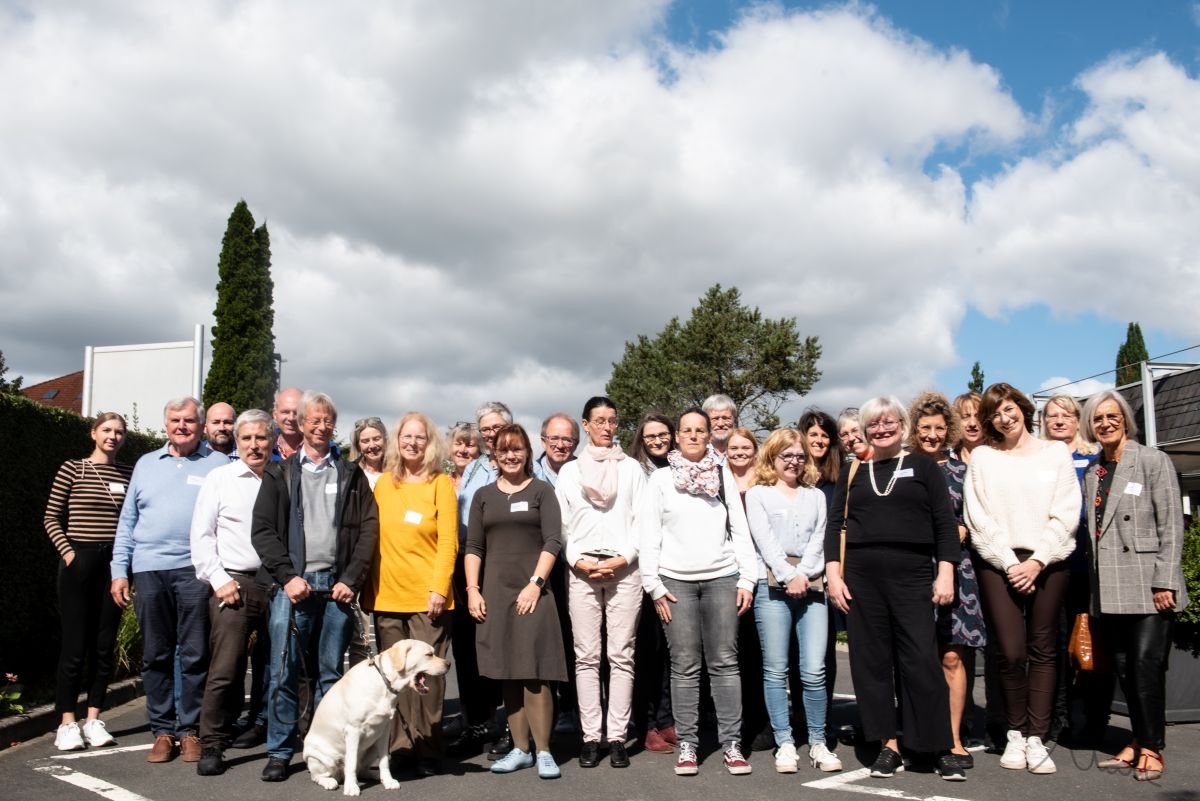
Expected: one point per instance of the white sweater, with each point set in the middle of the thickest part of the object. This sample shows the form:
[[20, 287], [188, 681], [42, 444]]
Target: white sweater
[[586, 528], [1026, 502], [683, 537]]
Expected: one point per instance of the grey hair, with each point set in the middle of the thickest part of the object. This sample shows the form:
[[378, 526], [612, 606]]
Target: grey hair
[[297, 390], [311, 398], [175, 404], [464, 431], [562, 416], [875, 408], [494, 407], [848, 415], [256, 416], [1093, 403], [719, 401]]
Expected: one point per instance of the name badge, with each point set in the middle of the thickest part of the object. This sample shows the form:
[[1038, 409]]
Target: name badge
[[905, 472], [1047, 476], [413, 517], [519, 506], [1081, 463], [331, 489], [195, 481], [1133, 488], [116, 488]]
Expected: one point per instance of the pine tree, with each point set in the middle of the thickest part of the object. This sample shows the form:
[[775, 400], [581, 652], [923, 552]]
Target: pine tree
[[7, 386], [1130, 356], [242, 371], [976, 383]]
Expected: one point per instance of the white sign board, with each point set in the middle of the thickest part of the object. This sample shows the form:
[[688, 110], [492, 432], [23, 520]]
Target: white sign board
[[138, 380]]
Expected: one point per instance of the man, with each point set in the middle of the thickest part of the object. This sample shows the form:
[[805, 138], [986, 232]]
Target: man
[[287, 401], [171, 603], [225, 558], [722, 417], [315, 528], [560, 437], [218, 428]]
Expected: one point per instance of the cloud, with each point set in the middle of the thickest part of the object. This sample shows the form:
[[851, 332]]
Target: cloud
[[486, 201], [1061, 385]]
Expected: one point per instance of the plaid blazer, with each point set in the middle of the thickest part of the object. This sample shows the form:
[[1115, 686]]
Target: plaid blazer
[[1141, 535]]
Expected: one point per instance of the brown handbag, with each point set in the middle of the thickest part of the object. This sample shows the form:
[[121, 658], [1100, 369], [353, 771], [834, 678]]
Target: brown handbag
[[845, 518], [1085, 648]]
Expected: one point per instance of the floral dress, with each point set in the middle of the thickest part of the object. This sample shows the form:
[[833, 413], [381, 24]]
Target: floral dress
[[961, 623]]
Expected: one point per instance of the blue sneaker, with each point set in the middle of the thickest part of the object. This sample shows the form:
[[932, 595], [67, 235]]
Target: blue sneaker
[[514, 760], [547, 767]]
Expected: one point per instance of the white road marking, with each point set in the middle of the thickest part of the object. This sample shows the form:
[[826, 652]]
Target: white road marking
[[845, 782], [99, 752], [100, 787]]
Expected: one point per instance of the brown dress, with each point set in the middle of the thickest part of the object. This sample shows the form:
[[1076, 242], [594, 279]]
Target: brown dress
[[509, 533]]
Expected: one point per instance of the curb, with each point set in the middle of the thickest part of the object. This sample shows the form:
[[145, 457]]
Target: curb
[[43, 719]]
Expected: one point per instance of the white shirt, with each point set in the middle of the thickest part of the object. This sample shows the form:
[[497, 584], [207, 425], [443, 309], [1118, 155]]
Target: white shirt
[[587, 529], [221, 524]]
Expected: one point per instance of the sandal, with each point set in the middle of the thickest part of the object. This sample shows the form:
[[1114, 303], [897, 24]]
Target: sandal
[[1118, 761], [1145, 771]]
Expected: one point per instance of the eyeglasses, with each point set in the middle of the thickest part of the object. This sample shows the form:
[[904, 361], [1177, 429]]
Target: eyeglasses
[[1111, 419], [884, 425], [491, 429], [559, 440], [664, 437], [320, 422], [791, 458], [513, 451], [1058, 418], [603, 423], [419, 439], [721, 418]]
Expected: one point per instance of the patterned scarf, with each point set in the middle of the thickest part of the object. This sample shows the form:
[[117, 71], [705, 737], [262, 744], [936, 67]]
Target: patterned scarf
[[598, 470], [696, 478]]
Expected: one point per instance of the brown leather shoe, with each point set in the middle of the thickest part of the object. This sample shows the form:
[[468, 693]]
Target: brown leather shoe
[[189, 748], [163, 749]]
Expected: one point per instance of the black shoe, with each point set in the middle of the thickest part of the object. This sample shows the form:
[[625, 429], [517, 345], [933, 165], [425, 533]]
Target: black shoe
[[500, 747], [276, 770], [211, 762], [948, 767], [764, 740], [589, 755], [887, 764], [428, 767], [252, 737], [964, 761], [618, 757]]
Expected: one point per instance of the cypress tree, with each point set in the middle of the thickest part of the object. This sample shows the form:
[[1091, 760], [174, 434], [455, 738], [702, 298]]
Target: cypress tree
[[1130, 356], [976, 383], [242, 370]]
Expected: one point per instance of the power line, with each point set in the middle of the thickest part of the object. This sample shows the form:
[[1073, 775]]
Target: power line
[[1115, 369]]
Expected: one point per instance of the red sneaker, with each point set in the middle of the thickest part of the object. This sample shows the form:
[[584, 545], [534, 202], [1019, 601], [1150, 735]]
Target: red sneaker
[[735, 763], [687, 764]]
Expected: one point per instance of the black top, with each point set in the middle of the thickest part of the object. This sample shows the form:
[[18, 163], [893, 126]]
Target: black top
[[918, 510]]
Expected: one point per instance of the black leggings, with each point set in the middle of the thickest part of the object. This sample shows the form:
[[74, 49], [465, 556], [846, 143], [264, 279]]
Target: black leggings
[[89, 626], [1140, 645]]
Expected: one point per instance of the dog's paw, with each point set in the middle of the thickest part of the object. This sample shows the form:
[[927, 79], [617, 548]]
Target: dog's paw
[[328, 782], [390, 784], [351, 788]]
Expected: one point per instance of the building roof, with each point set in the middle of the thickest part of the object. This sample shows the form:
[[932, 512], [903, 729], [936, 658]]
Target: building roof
[[1176, 415], [64, 392]]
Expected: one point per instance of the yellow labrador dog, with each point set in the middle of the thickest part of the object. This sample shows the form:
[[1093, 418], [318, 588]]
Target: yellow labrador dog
[[351, 729]]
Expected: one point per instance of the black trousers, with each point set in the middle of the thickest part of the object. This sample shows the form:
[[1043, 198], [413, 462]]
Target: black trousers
[[230, 628], [652, 678], [1140, 646], [90, 621], [891, 625]]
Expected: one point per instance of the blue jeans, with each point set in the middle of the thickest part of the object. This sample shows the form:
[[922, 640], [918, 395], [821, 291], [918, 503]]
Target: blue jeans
[[704, 624], [172, 611], [324, 628], [777, 615]]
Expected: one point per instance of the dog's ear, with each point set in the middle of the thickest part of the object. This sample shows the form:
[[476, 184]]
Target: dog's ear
[[398, 653]]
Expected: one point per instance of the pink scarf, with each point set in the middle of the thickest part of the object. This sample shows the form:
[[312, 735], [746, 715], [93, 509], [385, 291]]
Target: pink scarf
[[696, 478], [598, 468]]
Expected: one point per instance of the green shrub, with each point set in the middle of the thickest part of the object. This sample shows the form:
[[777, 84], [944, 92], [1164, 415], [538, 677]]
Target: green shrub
[[37, 440], [1187, 622]]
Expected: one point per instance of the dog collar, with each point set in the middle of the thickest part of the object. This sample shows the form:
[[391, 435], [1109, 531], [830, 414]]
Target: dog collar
[[375, 664]]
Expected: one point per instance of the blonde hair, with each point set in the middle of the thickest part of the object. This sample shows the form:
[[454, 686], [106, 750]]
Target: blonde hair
[[1080, 443], [780, 440], [436, 450]]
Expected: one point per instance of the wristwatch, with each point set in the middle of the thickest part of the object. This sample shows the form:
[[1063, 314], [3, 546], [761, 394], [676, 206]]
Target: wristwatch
[[538, 580]]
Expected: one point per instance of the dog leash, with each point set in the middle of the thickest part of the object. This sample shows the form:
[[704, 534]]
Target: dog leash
[[365, 641], [302, 665]]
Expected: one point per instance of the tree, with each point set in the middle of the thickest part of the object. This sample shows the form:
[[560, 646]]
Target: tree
[[976, 383], [723, 347], [7, 386], [1130, 356], [242, 372]]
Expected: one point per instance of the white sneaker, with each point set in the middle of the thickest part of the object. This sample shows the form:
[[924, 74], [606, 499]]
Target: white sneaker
[[1037, 758], [824, 759], [69, 738], [1014, 753], [96, 733], [786, 758]]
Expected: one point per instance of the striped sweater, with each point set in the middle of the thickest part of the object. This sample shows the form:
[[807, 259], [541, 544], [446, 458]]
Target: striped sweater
[[85, 502]]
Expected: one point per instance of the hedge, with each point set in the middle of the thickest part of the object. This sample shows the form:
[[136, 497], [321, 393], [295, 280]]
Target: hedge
[[36, 441]]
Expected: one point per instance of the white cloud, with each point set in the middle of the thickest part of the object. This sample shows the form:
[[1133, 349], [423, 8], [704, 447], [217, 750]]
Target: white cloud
[[1061, 385], [485, 201]]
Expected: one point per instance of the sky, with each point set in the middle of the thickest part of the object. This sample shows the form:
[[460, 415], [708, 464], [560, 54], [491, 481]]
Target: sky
[[484, 200]]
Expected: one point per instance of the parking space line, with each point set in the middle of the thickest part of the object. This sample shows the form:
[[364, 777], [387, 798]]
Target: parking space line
[[124, 749], [846, 782], [100, 787]]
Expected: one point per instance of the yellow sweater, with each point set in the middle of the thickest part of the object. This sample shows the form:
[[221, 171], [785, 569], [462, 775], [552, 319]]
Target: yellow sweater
[[418, 543]]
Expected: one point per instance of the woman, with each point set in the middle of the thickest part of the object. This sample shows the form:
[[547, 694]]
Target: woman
[[1136, 525], [899, 524], [599, 493], [81, 520], [966, 406], [513, 542], [698, 565], [851, 436], [960, 626], [786, 515], [652, 683], [825, 449], [409, 590], [1021, 503], [464, 449], [739, 455], [368, 447]]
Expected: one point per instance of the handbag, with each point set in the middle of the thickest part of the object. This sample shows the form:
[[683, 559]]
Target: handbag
[[1084, 647], [817, 584], [845, 518]]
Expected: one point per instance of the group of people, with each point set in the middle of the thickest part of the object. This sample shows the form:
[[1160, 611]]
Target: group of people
[[926, 532]]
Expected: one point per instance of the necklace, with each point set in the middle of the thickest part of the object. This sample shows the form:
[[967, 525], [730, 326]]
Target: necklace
[[891, 482]]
